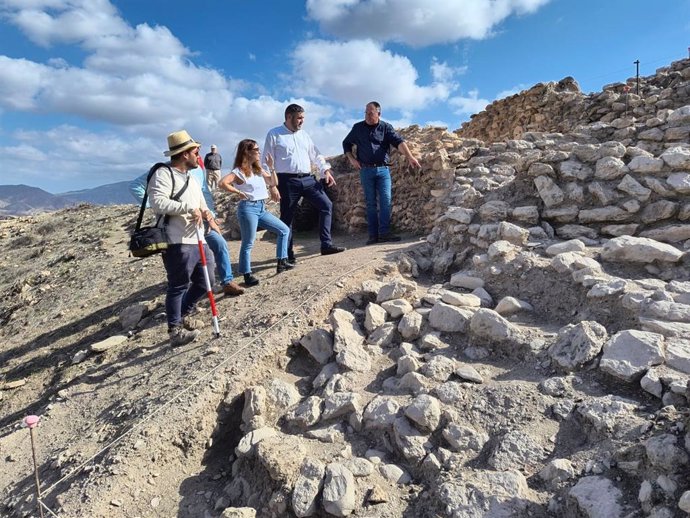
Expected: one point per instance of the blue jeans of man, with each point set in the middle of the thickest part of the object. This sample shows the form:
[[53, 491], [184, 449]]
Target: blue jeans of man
[[250, 215], [186, 283], [221, 254], [291, 190], [376, 182]]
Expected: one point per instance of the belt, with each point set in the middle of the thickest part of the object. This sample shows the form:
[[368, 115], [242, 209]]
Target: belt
[[297, 175], [380, 164]]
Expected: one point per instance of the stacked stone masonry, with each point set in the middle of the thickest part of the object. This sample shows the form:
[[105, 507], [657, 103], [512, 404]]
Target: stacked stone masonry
[[626, 173]]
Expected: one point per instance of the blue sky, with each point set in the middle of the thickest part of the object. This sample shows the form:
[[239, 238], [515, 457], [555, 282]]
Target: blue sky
[[89, 89]]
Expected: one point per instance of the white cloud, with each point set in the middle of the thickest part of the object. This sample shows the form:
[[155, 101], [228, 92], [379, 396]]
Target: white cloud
[[67, 21], [416, 22], [511, 91], [338, 71], [467, 105], [137, 84], [443, 72]]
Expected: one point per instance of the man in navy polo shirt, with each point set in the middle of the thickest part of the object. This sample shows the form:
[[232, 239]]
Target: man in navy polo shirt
[[373, 139]]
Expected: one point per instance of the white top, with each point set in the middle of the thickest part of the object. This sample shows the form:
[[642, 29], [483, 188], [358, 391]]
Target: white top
[[293, 152], [254, 186]]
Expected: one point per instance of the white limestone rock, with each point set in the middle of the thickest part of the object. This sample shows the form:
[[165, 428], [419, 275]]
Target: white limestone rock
[[569, 262], [410, 325], [384, 335], [339, 404], [609, 168], [678, 354], [596, 497], [677, 157], [488, 324], [639, 250], [425, 411], [381, 412], [251, 439], [557, 470], [466, 280], [469, 373], [374, 316], [338, 495], [413, 444], [461, 299], [486, 494], [319, 344], [549, 191], [348, 340], [462, 438], [511, 305], [307, 488], [516, 449], [431, 342], [307, 413], [449, 319], [396, 290], [663, 452], [439, 368], [397, 307], [572, 245], [629, 354]]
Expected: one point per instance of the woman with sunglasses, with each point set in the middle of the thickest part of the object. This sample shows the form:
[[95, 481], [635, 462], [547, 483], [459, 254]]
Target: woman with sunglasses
[[252, 184]]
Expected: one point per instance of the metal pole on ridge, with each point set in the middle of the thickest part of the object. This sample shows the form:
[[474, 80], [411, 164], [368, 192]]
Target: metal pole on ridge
[[209, 288]]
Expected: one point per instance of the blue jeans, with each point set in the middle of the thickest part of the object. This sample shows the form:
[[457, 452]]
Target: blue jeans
[[186, 283], [250, 215], [291, 189], [219, 247], [376, 182]]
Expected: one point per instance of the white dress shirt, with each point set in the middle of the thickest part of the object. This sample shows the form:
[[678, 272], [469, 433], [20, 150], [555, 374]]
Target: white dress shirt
[[293, 152]]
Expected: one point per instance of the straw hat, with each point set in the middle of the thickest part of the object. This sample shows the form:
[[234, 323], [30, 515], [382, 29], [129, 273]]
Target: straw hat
[[179, 142]]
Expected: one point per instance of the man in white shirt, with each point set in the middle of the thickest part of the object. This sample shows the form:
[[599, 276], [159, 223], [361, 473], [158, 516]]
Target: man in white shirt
[[293, 154]]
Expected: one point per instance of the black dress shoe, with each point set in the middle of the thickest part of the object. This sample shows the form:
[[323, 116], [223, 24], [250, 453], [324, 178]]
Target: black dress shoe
[[332, 250], [389, 238], [291, 260], [283, 265], [250, 280], [372, 240]]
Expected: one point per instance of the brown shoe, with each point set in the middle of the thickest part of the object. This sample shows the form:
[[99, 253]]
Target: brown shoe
[[233, 289]]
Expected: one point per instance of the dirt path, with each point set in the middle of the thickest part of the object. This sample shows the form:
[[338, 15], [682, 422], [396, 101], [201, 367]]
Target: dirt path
[[135, 420]]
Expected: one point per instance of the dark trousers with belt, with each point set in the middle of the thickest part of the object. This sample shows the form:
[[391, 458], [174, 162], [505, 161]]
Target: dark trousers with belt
[[292, 188]]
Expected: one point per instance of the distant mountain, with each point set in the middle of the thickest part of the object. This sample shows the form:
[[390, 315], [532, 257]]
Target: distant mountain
[[110, 194], [22, 199], [18, 200]]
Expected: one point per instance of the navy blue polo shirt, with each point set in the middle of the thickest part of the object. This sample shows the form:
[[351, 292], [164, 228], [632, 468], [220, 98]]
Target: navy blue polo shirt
[[373, 142]]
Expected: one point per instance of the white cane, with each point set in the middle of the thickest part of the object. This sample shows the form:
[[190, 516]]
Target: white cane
[[209, 290]]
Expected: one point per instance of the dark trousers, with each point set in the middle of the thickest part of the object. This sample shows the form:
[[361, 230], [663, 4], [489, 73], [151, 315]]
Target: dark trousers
[[186, 283], [291, 189]]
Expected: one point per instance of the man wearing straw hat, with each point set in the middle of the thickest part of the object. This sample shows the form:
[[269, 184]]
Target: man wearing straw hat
[[178, 196]]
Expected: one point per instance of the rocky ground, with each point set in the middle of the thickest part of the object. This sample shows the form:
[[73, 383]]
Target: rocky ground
[[357, 383], [84, 346]]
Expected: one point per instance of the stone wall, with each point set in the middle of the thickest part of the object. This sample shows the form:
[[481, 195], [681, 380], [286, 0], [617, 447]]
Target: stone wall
[[416, 194], [626, 172], [562, 107]]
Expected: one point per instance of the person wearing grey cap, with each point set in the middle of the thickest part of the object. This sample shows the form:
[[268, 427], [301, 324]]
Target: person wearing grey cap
[[213, 163]]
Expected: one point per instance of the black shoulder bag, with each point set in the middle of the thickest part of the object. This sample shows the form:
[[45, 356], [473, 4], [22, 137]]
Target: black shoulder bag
[[146, 241]]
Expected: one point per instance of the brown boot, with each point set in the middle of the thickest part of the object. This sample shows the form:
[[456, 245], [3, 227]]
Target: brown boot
[[233, 289]]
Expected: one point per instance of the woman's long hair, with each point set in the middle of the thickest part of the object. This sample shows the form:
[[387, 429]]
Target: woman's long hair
[[244, 153]]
